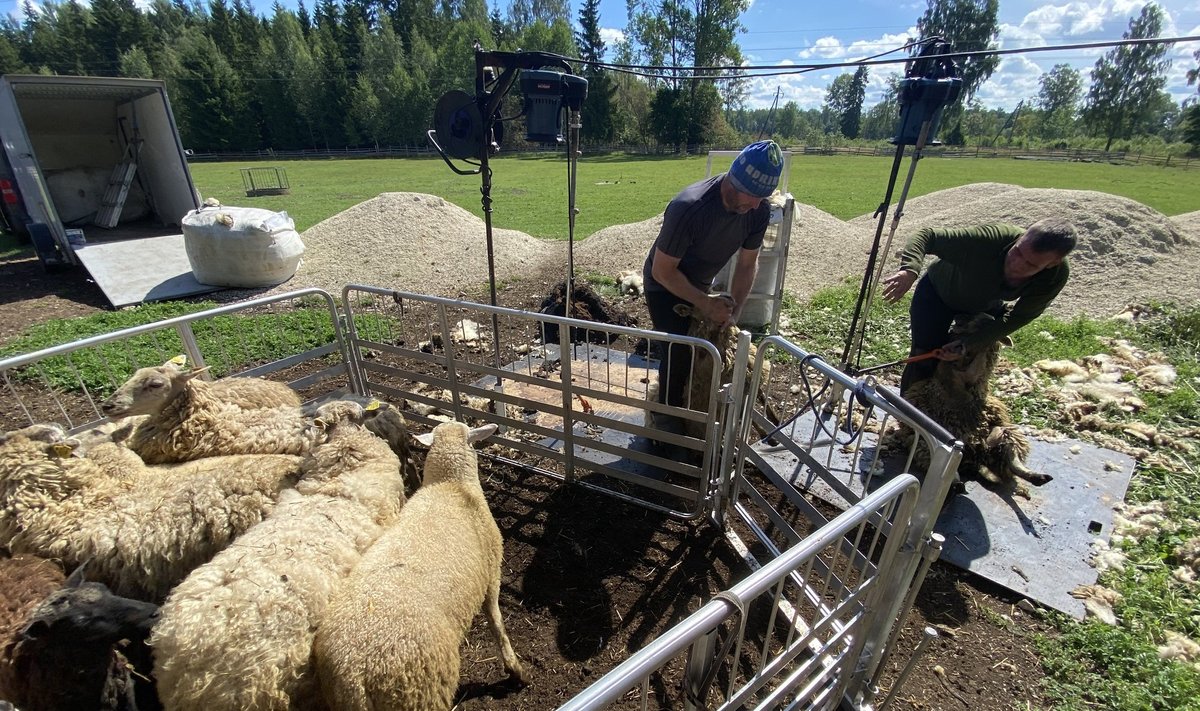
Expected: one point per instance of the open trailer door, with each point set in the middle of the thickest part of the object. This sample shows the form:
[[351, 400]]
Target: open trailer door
[[103, 177]]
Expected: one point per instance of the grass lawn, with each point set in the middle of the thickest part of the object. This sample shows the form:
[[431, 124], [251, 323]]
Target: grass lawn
[[530, 193]]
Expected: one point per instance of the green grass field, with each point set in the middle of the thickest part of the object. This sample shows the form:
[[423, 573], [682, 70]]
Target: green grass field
[[530, 193]]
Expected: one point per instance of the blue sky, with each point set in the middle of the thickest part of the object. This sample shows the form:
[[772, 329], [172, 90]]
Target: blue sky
[[783, 32], [789, 32]]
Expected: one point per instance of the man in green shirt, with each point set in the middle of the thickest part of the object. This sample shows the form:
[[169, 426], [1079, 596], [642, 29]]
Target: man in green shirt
[[978, 270]]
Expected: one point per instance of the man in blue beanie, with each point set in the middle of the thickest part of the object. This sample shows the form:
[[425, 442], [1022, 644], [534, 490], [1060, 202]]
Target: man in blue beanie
[[704, 225]]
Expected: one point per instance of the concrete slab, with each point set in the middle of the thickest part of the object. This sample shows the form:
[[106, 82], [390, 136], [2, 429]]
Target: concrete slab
[[1038, 547], [138, 270]]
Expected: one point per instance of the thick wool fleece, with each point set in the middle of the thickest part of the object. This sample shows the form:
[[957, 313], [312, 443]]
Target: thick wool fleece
[[391, 638], [144, 528], [238, 632]]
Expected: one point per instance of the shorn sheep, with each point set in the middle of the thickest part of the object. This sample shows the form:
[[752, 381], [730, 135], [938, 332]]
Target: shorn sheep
[[237, 632], [193, 419], [143, 527], [83, 648], [725, 339], [957, 397], [390, 639]]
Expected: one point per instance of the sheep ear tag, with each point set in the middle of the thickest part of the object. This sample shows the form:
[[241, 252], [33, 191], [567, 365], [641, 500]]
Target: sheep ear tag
[[373, 405], [478, 434], [62, 450], [180, 360], [425, 439]]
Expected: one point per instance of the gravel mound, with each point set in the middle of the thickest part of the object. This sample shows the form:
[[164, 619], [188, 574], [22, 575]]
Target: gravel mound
[[1128, 253], [411, 242]]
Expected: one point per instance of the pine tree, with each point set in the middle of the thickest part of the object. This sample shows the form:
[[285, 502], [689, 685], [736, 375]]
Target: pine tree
[[596, 115]]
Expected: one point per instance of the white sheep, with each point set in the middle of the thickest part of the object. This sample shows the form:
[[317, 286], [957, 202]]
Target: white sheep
[[390, 639], [149, 390], [195, 421], [237, 632], [143, 527]]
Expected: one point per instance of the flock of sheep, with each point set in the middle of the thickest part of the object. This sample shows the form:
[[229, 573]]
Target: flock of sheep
[[232, 549]]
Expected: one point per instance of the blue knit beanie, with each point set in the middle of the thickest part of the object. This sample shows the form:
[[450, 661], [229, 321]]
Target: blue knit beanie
[[756, 169]]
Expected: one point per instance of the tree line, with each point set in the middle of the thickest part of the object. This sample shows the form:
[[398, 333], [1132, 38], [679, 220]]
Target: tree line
[[355, 73]]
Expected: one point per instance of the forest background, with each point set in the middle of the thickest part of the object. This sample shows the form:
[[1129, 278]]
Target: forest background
[[367, 73]]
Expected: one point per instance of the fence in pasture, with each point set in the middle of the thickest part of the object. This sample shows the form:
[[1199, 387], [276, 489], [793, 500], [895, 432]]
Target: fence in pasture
[[814, 622], [1013, 153]]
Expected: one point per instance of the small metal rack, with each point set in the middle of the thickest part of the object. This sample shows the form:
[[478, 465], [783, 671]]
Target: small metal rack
[[265, 181]]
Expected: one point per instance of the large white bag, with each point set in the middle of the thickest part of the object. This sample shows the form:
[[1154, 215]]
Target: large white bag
[[241, 246]]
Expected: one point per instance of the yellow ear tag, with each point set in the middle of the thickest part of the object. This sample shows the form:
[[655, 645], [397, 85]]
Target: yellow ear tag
[[179, 360], [373, 405], [62, 450]]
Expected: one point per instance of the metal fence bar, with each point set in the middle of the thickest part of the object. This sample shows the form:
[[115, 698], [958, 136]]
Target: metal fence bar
[[898, 494], [562, 396]]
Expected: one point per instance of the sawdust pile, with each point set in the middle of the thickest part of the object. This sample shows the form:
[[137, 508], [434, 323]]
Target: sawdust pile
[[1128, 252]]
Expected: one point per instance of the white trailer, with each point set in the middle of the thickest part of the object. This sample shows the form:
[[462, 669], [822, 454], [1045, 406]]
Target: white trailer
[[95, 174]]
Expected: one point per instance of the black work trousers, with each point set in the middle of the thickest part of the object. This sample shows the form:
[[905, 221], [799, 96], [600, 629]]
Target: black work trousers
[[929, 321], [675, 362]]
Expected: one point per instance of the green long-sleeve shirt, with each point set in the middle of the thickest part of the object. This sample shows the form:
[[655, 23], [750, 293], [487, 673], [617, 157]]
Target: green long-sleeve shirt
[[968, 275]]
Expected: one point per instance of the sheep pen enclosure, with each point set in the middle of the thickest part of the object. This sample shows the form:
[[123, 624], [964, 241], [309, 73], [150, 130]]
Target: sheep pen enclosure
[[630, 579]]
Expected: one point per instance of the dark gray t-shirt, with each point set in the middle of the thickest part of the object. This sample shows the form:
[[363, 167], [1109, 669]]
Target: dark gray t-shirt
[[698, 229]]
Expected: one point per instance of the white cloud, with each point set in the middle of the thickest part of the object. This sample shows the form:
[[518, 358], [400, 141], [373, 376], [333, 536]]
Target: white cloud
[[825, 47], [611, 36], [1079, 18], [1014, 80]]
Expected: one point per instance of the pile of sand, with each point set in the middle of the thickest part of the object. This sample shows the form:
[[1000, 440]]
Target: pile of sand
[[414, 242]]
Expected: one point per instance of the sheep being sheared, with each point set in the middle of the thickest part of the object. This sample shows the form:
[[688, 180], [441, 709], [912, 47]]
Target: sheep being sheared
[[957, 397], [725, 339]]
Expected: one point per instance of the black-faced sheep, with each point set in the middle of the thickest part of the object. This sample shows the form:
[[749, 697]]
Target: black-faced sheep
[[83, 648], [25, 581], [725, 338], [143, 527], [391, 637], [957, 397], [237, 633]]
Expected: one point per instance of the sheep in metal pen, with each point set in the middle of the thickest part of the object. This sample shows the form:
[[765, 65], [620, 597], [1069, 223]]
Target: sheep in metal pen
[[391, 637]]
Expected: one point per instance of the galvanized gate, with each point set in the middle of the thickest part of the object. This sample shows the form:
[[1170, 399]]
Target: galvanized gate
[[473, 362], [298, 340], [813, 624]]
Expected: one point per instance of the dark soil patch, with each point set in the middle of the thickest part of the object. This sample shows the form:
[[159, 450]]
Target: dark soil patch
[[588, 580]]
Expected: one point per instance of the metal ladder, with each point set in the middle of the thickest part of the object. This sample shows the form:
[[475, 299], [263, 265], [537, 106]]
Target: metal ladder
[[117, 191]]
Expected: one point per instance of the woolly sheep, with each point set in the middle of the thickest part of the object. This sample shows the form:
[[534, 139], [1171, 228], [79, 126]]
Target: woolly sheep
[[390, 639], [149, 390], [957, 398], [195, 421], [237, 632], [83, 648], [25, 581], [725, 339], [144, 527]]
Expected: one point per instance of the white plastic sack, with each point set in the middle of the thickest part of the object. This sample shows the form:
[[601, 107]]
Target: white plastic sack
[[241, 246]]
